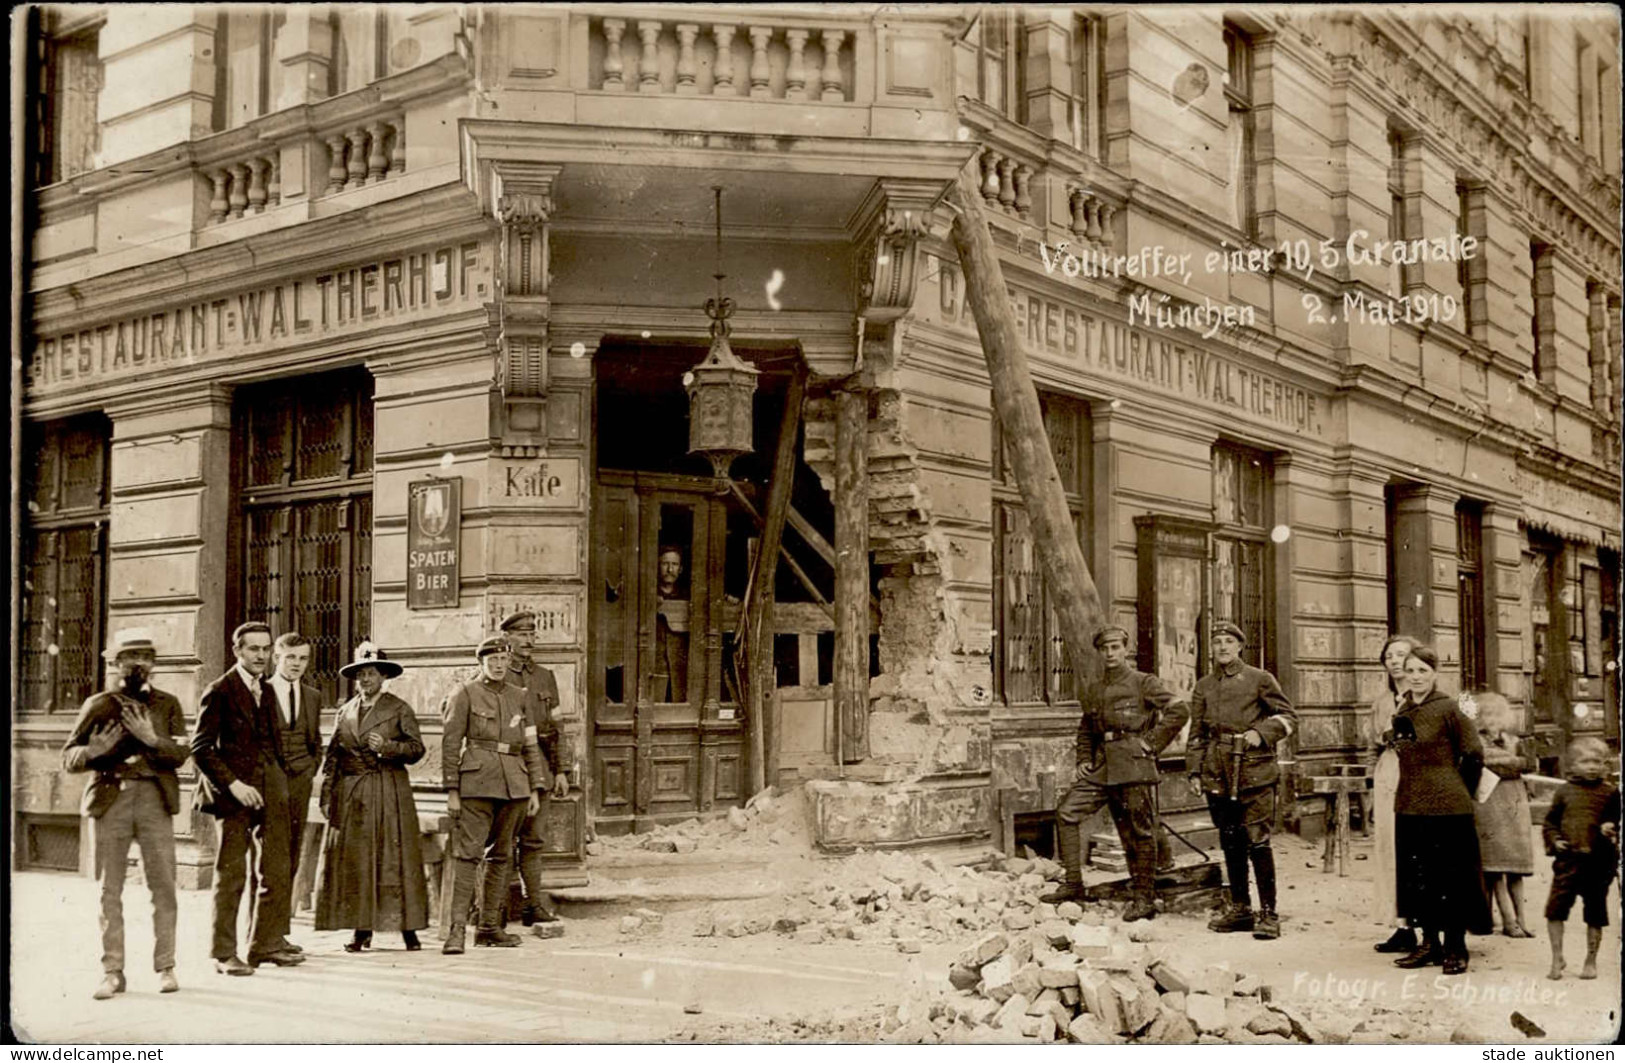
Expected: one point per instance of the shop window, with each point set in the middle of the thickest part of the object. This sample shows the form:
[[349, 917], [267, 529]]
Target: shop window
[[63, 601], [1538, 565], [1031, 666], [1543, 320], [1470, 594], [1243, 480], [305, 463], [1238, 95], [69, 82]]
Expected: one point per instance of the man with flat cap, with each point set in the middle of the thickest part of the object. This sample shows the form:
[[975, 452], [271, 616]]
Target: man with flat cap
[[494, 777], [1128, 718], [133, 737], [520, 630], [1238, 715]]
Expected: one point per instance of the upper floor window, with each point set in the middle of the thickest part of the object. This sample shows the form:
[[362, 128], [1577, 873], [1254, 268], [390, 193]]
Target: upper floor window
[[1399, 276], [989, 60], [1470, 271], [248, 77], [1238, 95], [1542, 319], [1086, 103], [69, 82]]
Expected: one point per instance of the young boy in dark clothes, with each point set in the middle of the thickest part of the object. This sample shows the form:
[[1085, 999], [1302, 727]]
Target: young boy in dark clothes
[[1581, 832]]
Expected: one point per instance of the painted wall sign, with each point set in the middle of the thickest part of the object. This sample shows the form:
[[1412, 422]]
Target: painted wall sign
[[542, 483], [1104, 346], [332, 303], [555, 615], [433, 530]]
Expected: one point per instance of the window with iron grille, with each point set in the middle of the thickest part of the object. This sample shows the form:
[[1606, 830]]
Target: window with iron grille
[[1030, 659], [305, 466], [1243, 590], [64, 561], [1470, 594]]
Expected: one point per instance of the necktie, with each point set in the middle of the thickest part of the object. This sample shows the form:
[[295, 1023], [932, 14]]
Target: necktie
[[293, 704]]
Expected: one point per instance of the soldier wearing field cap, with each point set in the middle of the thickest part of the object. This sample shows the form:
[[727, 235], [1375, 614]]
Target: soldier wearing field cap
[[494, 777], [133, 737], [520, 630], [1128, 718], [1238, 715]]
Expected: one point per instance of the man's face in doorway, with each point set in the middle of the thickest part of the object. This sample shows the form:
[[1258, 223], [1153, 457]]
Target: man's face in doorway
[[671, 570]]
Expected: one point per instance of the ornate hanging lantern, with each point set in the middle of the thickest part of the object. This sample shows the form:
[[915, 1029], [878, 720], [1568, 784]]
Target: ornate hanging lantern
[[720, 388]]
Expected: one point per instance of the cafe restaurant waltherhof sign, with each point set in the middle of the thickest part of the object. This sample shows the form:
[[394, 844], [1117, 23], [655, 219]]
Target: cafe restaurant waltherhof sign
[[433, 531]]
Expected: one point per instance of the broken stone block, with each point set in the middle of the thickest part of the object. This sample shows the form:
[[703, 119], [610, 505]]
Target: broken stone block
[[1047, 1029], [1041, 1003], [1026, 982], [908, 945], [1062, 1014], [1302, 1028], [1086, 1029], [1049, 869], [648, 915], [1088, 941], [1070, 996], [1059, 973], [812, 935], [1169, 977], [660, 845], [1216, 980], [1032, 882], [976, 1011], [1100, 997], [548, 931], [1137, 1004], [1174, 1002], [1247, 985], [1206, 1012], [1472, 1031], [996, 979], [1012, 1012], [1069, 910], [1266, 1021], [1141, 931], [985, 950], [1043, 913], [737, 819], [1169, 1028], [631, 924], [683, 845], [961, 977], [1057, 932], [1241, 1012], [1017, 865], [1017, 920], [706, 925], [1020, 952]]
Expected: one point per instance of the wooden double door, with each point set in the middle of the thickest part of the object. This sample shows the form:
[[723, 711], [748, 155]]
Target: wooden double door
[[667, 733]]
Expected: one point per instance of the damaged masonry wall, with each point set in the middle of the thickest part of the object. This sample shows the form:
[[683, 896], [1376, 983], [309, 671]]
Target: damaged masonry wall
[[929, 723]]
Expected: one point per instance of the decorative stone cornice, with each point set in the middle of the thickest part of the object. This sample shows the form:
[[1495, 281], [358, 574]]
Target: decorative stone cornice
[[887, 228]]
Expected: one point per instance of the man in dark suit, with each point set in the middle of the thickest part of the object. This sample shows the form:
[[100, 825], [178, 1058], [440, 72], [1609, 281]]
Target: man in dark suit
[[297, 723], [133, 737], [241, 778]]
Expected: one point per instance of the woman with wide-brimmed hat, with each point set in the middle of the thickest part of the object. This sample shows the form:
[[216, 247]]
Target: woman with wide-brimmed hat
[[373, 878]]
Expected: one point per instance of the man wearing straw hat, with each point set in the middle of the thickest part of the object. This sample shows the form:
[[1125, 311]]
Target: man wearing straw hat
[[133, 737]]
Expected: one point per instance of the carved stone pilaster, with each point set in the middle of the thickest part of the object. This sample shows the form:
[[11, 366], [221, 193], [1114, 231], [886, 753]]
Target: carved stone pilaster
[[896, 214], [522, 201]]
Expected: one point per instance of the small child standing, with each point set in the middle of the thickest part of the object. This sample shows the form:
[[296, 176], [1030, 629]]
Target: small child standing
[[1581, 832]]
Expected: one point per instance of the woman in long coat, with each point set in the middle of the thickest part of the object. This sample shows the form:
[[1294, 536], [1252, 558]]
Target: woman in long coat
[[1384, 784], [373, 878], [1441, 884]]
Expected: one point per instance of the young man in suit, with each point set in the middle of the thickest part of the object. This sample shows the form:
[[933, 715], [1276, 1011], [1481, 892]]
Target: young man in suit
[[241, 781], [297, 724], [133, 737]]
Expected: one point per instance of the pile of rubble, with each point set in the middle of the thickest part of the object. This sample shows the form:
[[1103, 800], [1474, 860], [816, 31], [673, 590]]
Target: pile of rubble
[[771, 818]]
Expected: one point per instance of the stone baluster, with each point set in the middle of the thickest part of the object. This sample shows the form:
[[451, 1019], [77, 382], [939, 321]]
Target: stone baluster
[[397, 147], [1024, 199], [1106, 212], [1007, 185], [217, 206], [613, 67], [1093, 231], [335, 163], [686, 66], [795, 74], [722, 73], [239, 189], [760, 86], [377, 161], [256, 185], [274, 189], [990, 177], [831, 77], [1079, 221], [649, 65], [357, 163]]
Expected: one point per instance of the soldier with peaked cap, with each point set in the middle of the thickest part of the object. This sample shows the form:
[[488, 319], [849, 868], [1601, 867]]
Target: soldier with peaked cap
[[494, 776], [1239, 703], [519, 629], [133, 737], [1128, 718]]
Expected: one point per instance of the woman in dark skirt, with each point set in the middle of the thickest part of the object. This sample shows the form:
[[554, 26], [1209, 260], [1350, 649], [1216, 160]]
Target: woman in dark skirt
[[1441, 884], [373, 878]]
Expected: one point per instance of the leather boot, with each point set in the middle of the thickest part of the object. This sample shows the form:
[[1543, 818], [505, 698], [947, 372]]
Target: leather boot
[[1070, 853], [1403, 939], [1235, 917], [1267, 926], [1235, 866], [456, 940], [462, 896], [1143, 906], [1066, 891], [493, 937], [1264, 871], [537, 909]]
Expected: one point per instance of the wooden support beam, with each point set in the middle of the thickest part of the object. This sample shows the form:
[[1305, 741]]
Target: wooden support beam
[[758, 623], [852, 572], [784, 552], [1067, 581]]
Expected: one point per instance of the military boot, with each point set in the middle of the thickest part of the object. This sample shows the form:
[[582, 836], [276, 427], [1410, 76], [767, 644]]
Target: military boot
[[456, 940], [1143, 906], [1267, 927], [462, 898], [1232, 918], [492, 906], [536, 910], [487, 937]]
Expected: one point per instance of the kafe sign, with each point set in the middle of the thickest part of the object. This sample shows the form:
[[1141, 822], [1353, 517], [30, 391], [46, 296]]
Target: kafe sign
[[434, 526]]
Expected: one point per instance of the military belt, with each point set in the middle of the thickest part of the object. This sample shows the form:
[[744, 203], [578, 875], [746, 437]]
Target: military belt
[[509, 748]]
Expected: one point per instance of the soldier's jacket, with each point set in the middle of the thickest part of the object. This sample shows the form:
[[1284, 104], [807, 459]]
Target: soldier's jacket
[[1230, 701], [490, 748], [1128, 718], [544, 692]]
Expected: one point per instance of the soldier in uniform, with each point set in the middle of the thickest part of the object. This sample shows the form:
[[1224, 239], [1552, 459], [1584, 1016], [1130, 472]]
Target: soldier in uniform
[[494, 777], [1236, 699], [520, 630], [1128, 718]]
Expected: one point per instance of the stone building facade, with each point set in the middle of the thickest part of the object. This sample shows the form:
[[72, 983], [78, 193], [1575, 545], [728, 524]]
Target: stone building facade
[[291, 267]]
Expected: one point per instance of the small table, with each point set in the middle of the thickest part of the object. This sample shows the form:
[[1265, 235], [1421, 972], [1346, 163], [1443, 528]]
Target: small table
[[1343, 780]]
